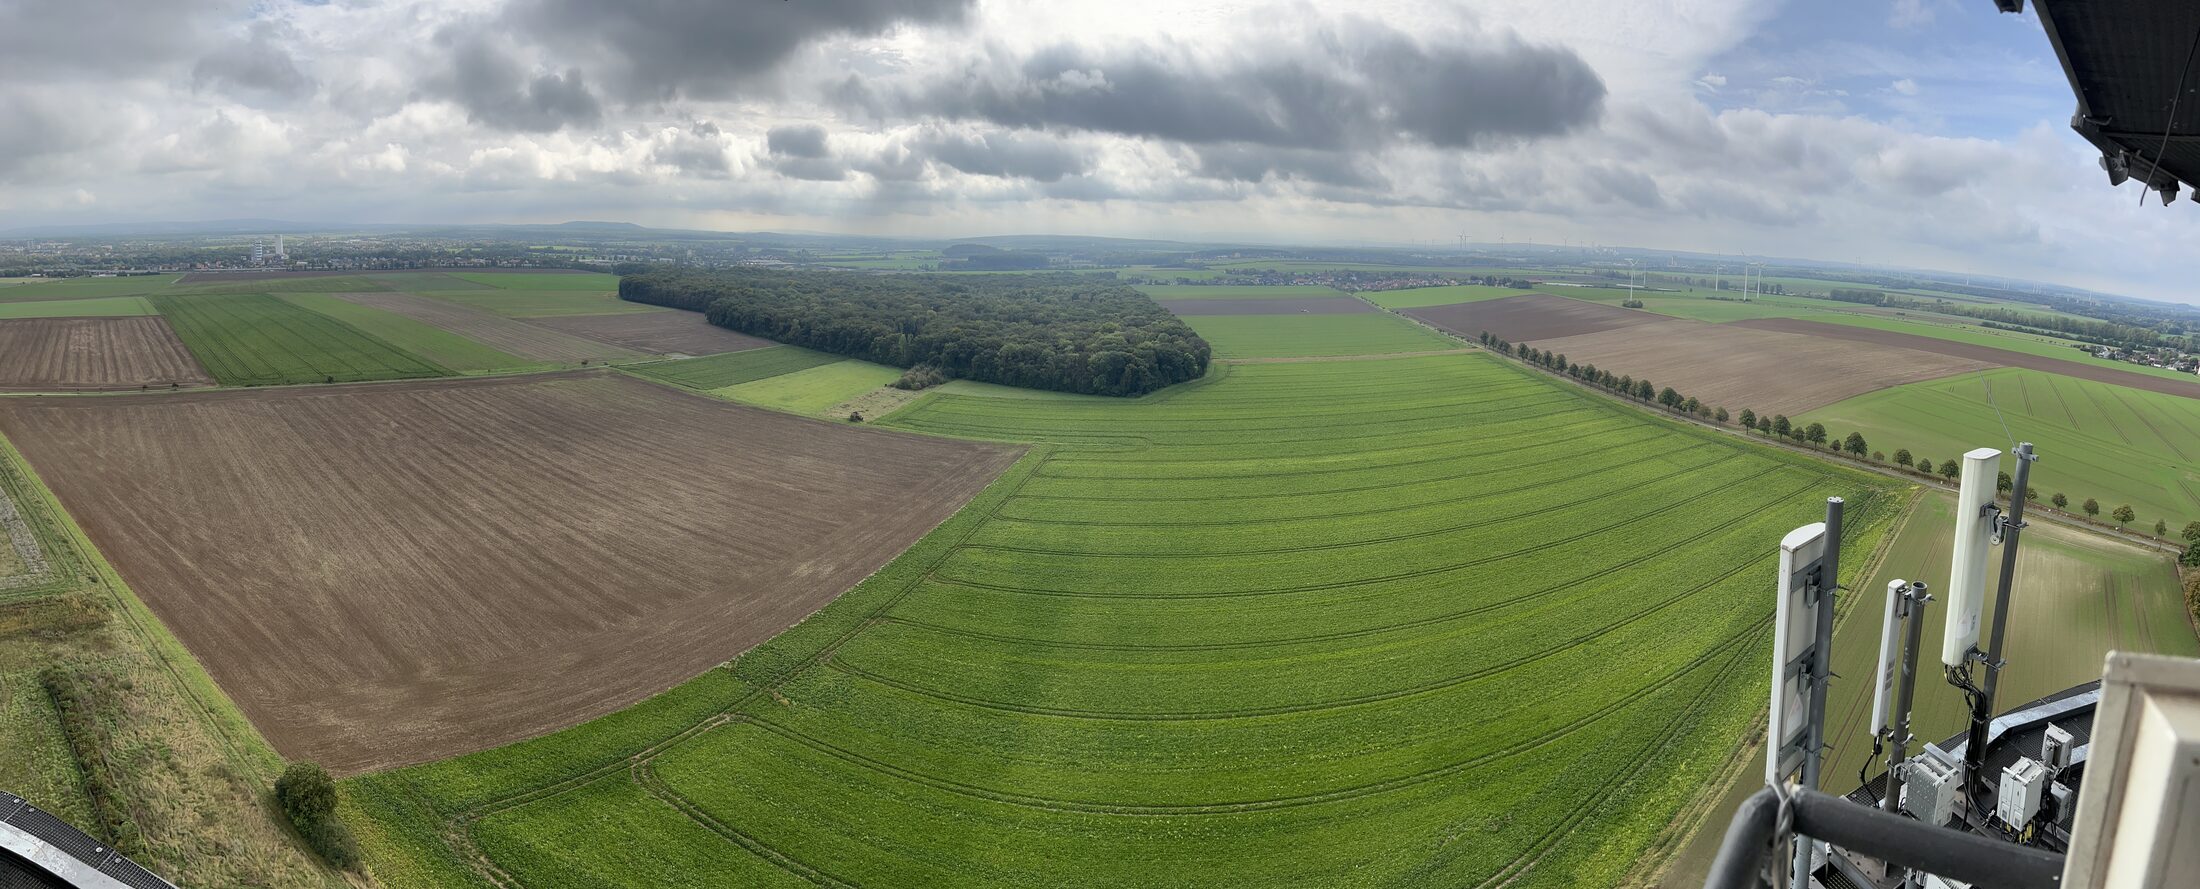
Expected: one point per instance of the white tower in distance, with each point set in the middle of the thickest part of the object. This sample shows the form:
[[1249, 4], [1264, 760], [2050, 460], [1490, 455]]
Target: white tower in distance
[[280, 253]]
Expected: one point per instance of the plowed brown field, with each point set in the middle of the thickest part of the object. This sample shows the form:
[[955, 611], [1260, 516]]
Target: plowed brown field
[[1737, 367], [383, 574], [1535, 316], [662, 333], [511, 335], [94, 353]]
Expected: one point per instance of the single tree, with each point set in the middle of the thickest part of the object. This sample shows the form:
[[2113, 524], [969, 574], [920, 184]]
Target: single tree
[[1815, 432], [2061, 501], [2092, 507], [1780, 425], [1879, 456], [2123, 515], [2192, 532], [1719, 415], [306, 792], [1644, 390], [1902, 457], [2161, 528], [2003, 483], [1949, 469], [2031, 493], [1749, 418], [1854, 444], [1924, 467], [1690, 404]]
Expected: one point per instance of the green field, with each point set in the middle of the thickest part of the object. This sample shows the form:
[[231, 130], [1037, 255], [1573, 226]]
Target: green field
[[1944, 327], [734, 368], [14, 289], [280, 283], [2110, 443], [254, 339], [1439, 296], [813, 390], [543, 281], [542, 303], [425, 340], [1305, 336], [96, 307], [1233, 291], [1372, 622]]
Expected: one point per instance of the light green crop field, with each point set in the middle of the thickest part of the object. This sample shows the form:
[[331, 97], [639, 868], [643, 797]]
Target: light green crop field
[[254, 339], [96, 307], [1380, 622], [425, 340], [2111, 443], [1439, 296], [14, 289], [279, 283], [813, 391], [1237, 291], [542, 303], [734, 368], [588, 281], [1306, 336]]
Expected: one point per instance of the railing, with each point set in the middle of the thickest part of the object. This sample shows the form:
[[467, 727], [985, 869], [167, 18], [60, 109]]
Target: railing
[[1899, 841]]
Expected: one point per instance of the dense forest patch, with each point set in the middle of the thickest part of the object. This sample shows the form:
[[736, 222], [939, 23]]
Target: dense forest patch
[[1055, 332]]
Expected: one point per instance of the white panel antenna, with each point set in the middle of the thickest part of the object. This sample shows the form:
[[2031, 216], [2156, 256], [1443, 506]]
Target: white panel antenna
[[1967, 574], [1794, 630], [1890, 655]]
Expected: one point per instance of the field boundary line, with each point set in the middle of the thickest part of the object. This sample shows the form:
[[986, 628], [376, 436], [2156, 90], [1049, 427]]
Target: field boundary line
[[645, 776]]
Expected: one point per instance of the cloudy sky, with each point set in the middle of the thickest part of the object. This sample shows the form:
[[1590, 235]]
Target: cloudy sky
[[1929, 133]]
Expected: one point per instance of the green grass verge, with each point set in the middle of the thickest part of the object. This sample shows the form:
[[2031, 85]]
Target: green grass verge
[[425, 340], [96, 307], [255, 339], [1306, 336], [814, 390], [734, 368], [2096, 440]]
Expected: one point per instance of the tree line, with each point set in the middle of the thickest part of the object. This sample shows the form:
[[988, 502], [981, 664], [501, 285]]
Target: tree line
[[1061, 332], [1812, 434]]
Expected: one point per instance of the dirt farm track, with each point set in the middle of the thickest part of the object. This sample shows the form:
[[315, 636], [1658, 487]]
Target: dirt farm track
[[383, 574]]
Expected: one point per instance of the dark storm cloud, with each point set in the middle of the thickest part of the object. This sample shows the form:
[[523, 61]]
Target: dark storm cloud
[[797, 140], [254, 65], [1350, 86], [1006, 155], [661, 49], [497, 91]]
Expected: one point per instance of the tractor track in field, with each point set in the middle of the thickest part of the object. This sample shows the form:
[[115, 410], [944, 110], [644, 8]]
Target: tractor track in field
[[1319, 637], [1419, 481], [645, 777], [1510, 443], [1346, 421], [1401, 782], [1379, 510], [1368, 581], [1353, 417], [1347, 544], [1282, 709]]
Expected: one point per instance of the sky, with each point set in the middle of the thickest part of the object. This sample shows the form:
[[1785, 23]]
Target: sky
[[1919, 133]]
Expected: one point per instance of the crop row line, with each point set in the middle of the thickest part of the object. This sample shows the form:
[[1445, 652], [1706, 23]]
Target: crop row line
[[1373, 788], [1607, 494], [1321, 637], [646, 777], [1190, 422], [1391, 430], [1386, 578], [1283, 709], [1535, 433]]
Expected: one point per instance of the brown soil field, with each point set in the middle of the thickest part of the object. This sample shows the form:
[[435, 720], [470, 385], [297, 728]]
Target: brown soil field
[[2081, 370], [522, 338], [388, 573], [660, 333], [1735, 367], [53, 354], [1339, 305], [1535, 316]]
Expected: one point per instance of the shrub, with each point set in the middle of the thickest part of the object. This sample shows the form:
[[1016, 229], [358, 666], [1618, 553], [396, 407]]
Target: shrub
[[87, 702], [308, 797], [923, 376]]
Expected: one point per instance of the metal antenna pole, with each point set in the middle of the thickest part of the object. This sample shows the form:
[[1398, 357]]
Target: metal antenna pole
[[1982, 710], [1821, 670], [1913, 619]]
